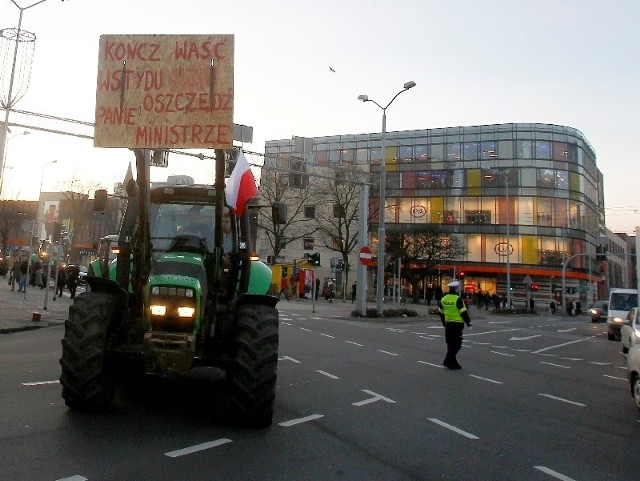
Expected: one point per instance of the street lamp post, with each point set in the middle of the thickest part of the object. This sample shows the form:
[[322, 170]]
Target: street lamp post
[[506, 175], [383, 185], [49, 256], [20, 36], [6, 150]]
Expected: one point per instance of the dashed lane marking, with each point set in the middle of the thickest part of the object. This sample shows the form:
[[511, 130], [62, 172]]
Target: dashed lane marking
[[453, 428], [376, 397], [486, 379], [198, 447], [40, 383], [325, 373], [304, 329], [562, 399], [614, 377], [76, 477], [293, 422], [287, 358], [553, 473], [562, 345], [354, 343], [431, 364], [503, 354], [328, 335], [555, 365], [387, 352]]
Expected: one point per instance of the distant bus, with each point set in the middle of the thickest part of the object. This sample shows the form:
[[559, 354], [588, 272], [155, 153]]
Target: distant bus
[[621, 301]]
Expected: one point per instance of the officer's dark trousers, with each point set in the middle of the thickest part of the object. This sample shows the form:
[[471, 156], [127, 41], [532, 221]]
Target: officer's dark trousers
[[453, 336]]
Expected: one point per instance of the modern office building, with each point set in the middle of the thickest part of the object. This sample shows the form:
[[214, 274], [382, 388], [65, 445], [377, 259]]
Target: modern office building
[[523, 198]]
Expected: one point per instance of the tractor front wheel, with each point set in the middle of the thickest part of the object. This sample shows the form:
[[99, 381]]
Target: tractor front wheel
[[254, 369], [85, 381]]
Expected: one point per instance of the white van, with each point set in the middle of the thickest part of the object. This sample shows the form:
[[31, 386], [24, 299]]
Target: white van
[[621, 301]]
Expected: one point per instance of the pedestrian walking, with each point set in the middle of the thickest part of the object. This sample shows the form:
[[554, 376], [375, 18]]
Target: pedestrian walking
[[24, 268], [354, 287], [15, 275], [284, 288], [317, 287], [453, 315], [61, 281], [73, 275]]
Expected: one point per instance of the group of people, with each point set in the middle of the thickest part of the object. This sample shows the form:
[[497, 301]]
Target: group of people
[[20, 273], [18, 267]]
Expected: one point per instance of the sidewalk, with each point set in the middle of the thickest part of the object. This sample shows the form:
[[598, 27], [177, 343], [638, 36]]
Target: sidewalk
[[17, 309]]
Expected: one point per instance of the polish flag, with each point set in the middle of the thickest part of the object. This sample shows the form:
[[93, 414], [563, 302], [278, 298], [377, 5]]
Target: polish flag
[[241, 185]]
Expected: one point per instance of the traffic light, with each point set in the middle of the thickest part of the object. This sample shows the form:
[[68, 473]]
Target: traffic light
[[534, 287], [315, 259], [461, 276], [601, 253]]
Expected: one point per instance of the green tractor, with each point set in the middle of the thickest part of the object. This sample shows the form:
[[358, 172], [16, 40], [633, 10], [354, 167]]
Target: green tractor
[[184, 291]]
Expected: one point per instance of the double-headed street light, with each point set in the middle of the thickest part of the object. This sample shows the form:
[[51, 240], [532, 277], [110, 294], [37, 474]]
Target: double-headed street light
[[383, 184]]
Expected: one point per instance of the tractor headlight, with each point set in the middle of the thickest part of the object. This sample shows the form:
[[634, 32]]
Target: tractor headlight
[[184, 311], [158, 310]]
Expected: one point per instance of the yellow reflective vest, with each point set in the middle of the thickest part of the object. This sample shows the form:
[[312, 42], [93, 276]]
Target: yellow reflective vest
[[450, 309]]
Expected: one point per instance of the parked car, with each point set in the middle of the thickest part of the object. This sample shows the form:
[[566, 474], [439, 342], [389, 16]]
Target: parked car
[[633, 373], [599, 311], [630, 330]]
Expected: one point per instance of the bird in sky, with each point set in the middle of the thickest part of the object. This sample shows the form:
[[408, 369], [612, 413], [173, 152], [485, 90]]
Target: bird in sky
[[331, 69]]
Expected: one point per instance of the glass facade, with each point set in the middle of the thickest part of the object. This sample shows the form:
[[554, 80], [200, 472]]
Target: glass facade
[[539, 179]]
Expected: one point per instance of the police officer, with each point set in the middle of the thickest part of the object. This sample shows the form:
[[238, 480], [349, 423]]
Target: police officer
[[453, 315]]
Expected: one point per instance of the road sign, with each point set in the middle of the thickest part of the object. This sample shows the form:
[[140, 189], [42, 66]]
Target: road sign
[[165, 92], [365, 256]]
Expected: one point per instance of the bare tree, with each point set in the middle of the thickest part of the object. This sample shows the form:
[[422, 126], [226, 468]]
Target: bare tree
[[276, 187], [421, 252], [76, 210], [337, 215]]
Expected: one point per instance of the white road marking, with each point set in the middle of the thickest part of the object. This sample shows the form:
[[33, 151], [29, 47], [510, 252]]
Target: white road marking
[[555, 365], [393, 329], [428, 338], [198, 447], [562, 399], [621, 367], [499, 322], [327, 335], [522, 350], [453, 428], [317, 318], [354, 343], [482, 343], [525, 338], [305, 329], [548, 355], [599, 363], [302, 318], [567, 330], [77, 477], [287, 358], [553, 473], [286, 323], [489, 332], [614, 377], [562, 345], [293, 422], [572, 358], [431, 364], [503, 354], [40, 383], [376, 397], [486, 379], [387, 352], [501, 347], [324, 373]]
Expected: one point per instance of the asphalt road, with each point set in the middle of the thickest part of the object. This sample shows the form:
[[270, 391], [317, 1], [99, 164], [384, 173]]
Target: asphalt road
[[538, 399]]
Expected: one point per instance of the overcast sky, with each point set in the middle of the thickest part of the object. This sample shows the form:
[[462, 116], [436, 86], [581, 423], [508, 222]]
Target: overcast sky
[[566, 62]]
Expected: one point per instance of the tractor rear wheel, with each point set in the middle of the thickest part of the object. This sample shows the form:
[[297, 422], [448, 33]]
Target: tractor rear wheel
[[254, 370], [85, 381]]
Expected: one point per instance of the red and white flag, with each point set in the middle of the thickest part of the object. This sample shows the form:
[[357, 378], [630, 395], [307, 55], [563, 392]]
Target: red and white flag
[[241, 185]]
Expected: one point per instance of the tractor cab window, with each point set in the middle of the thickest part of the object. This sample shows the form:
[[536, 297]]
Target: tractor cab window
[[169, 221]]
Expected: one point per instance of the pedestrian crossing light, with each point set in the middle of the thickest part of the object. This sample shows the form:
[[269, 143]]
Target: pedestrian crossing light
[[315, 259]]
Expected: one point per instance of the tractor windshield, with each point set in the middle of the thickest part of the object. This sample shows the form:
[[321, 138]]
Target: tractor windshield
[[167, 221]]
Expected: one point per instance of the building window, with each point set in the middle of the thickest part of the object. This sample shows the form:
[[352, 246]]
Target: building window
[[310, 211], [477, 216], [307, 244]]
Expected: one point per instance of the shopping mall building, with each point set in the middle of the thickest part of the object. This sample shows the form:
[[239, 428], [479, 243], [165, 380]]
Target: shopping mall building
[[523, 199]]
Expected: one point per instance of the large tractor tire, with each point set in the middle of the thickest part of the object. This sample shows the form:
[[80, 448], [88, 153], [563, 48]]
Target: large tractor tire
[[85, 381], [255, 365]]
